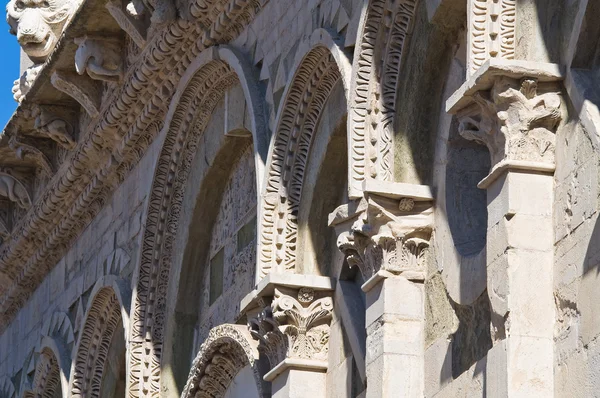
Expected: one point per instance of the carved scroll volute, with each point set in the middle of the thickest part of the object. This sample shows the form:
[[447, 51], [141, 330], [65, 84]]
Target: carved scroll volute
[[514, 121], [294, 325]]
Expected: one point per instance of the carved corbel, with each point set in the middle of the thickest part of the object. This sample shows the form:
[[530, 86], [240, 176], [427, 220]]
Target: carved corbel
[[294, 327], [25, 151], [14, 190], [51, 124], [100, 57], [386, 233], [84, 90], [513, 120], [129, 25]]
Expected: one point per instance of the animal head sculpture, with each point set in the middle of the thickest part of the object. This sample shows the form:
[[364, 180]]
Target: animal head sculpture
[[38, 24]]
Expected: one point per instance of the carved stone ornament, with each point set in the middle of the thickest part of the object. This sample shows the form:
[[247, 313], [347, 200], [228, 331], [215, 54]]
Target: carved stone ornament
[[46, 380], [38, 24], [82, 89], [514, 121], [492, 31], [14, 190], [226, 351], [162, 11], [25, 151], [295, 325], [22, 85], [374, 90], [53, 126], [299, 118], [100, 57], [389, 235]]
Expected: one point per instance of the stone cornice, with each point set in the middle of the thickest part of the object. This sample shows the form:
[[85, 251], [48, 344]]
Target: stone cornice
[[108, 148]]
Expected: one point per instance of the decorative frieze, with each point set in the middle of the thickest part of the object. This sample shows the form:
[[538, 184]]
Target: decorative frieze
[[100, 57]]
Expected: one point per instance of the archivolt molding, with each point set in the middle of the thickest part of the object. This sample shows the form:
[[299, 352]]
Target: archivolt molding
[[46, 381], [377, 63], [227, 350], [298, 120], [108, 308], [111, 148], [58, 338], [203, 85]]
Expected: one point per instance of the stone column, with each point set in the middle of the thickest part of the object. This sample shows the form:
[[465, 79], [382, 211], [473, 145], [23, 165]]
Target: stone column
[[292, 315], [387, 236], [514, 108]]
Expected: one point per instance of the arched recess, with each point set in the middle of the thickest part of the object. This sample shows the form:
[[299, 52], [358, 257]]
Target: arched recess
[[203, 85], [228, 351], [318, 70], [104, 328]]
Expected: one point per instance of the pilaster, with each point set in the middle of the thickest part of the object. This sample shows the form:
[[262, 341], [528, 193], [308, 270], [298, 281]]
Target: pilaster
[[514, 108], [386, 235]]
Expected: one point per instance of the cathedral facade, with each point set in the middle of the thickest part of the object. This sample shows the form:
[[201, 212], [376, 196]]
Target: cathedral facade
[[302, 198]]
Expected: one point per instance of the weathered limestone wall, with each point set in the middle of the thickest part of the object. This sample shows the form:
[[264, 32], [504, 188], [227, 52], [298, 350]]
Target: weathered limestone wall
[[110, 245]]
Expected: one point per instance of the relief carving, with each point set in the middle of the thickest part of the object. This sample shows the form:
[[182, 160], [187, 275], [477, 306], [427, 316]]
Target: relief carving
[[389, 235], [374, 90], [162, 11], [83, 90], [26, 151], [492, 32], [227, 350], [306, 99], [514, 121], [46, 380], [37, 25], [14, 190], [53, 126], [100, 57], [294, 325]]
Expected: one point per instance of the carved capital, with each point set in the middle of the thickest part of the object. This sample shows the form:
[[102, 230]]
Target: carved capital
[[99, 56], [389, 233], [514, 120], [294, 325]]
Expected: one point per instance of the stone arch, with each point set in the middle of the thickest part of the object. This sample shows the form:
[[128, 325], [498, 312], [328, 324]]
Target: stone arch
[[109, 308], [200, 89], [317, 71], [58, 339], [378, 57], [226, 351], [7, 389], [47, 379]]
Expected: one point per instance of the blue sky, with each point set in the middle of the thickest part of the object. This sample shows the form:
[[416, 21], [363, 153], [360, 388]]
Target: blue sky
[[9, 71]]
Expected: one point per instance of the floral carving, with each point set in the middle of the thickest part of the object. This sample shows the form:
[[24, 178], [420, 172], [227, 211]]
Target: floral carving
[[374, 90], [514, 121], [294, 325], [383, 238]]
